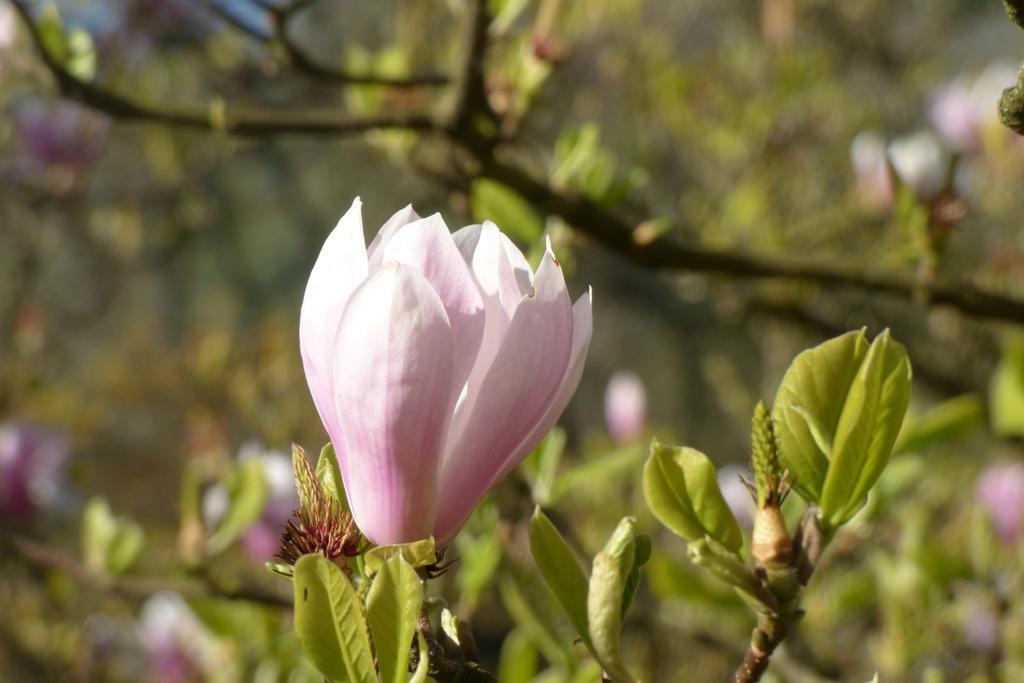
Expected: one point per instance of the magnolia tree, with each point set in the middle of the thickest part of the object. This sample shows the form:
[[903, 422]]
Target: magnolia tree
[[446, 522]]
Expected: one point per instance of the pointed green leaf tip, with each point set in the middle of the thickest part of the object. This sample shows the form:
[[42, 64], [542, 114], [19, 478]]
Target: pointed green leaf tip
[[329, 622], [328, 473], [765, 454], [681, 489]]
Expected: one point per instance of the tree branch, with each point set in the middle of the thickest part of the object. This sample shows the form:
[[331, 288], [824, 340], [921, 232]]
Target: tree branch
[[44, 557], [615, 233], [240, 121], [281, 16], [599, 223]]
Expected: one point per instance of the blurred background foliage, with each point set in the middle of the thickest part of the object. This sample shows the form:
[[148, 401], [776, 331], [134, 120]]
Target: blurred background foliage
[[151, 275]]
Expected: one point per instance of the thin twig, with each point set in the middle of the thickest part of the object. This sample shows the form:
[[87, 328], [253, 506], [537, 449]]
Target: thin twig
[[280, 17], [45, 557]]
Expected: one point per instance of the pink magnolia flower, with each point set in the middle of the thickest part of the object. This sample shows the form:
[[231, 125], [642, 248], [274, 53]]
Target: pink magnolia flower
[[1000, 490], [178, 646], [437, 362], [625, 407], [31, 469]]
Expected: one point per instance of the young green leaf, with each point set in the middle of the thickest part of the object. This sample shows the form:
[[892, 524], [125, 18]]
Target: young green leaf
[[682, 491], [518, 661], [418, 554], [641, 554], [329, 475], [110, 544], [608, 580], [561, 571], [247, 495], [329, 622], [808, 405], [392, 610], [1006, 399], [951, 419], [724, 565], [875, 406]]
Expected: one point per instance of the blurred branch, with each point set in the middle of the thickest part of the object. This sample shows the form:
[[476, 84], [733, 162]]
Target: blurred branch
[[217, 117], [45, 557], [280, 17], [467, 127]]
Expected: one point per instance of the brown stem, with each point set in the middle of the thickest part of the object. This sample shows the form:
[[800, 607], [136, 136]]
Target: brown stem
[[45, 557]]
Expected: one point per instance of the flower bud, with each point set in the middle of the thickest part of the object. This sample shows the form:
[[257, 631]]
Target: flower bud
[[771, 545], [625, 407]]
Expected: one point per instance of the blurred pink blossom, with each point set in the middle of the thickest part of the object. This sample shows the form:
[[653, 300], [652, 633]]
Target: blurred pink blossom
[[1000, 489], [57, 139], [8, 26], [32, 461], [921, 163], [961, 110], [178, 646], [437, 362], [625, 407], [874, 180]]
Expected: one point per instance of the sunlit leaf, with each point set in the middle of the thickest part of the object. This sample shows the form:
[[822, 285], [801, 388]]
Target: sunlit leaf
[[490, 200], [392, 610], [418, 554], [329, 473], [329, 622], [873, 413], [681, 488], [608, 579], [561, 571], [110, 544], [808, 405], [948, 420]]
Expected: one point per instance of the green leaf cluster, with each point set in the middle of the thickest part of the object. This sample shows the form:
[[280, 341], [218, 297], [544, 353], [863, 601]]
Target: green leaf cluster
[[837, 413], [110, 544]]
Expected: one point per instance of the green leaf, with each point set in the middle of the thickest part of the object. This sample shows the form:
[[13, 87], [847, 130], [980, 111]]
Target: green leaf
[[328, 473], [597, 471], [808, 405], [420, 675], [871, 419], [725, 566], [641, 554], [329, 622], [110, 545], [948, 420], [682, 491], [1006, 398], [81, 60], [536, 627], [418, 554], [246, 485], [51, 33], [518, 661], [543, 463], [561, 571], [490, 200], [392, 610], [607, 588]]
